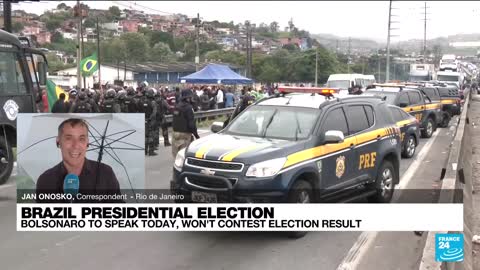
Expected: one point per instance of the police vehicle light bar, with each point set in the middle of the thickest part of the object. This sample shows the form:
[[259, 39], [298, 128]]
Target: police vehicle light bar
[[313, 90]]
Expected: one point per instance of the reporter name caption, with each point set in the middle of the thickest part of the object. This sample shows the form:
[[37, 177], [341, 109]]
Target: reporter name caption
[[240, 217]]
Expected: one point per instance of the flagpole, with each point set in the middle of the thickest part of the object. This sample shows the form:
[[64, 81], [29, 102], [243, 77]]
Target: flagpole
[[79, 51], [83, 49], [98, 61]]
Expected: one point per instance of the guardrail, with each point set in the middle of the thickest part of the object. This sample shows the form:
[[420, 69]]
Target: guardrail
[[205, 114], [456, 188]]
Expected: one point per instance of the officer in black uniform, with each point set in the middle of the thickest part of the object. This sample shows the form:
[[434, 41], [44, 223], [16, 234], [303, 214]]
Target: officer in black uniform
[[72, 96], [109, 104], [81, 104], [184, 126], [130, 100], [121, 99], [149, 107], [91, 100], [162, 122]]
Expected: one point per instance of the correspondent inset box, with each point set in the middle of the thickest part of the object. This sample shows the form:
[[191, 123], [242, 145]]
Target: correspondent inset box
[[111, 155]]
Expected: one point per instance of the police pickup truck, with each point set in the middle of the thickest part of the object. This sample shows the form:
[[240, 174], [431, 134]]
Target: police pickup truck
[[298, 148], [413, 101]]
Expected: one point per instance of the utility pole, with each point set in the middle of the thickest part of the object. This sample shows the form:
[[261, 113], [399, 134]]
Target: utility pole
[[425, 35], [378, 59], [248, 44], [79, 49], [7, 15], [250, 51], [316, 67], [98, 61], [348, 58], [82, 46], [390, 15], [197, 46]]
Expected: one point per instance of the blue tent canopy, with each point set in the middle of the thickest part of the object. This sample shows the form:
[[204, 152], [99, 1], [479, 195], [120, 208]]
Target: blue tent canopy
[[216, 74]]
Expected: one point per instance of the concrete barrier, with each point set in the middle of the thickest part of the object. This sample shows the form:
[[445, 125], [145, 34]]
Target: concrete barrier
[[456, 175]]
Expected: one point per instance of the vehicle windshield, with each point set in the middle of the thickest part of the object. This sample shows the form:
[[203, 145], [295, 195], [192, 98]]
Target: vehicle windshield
[[276, 122], [339, 84], [418, 78], [447, 78], [448, 61], [390, 96]]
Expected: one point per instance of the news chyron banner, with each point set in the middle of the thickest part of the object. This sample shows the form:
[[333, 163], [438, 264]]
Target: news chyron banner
[[239, 217]]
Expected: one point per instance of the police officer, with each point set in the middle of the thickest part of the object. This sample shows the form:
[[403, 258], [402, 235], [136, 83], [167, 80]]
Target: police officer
[[149, 107], [91, 100], [72, 96], [109, 104], [122, 96], [130, 100], [246, 100], [162, 112], [184, 125], [81, 104]]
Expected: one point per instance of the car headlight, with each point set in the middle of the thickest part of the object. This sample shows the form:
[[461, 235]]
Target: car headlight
[[266, 168], [180, 159]]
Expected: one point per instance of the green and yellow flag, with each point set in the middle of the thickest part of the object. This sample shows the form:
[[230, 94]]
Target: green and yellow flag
[[53, 93], [89, 65]]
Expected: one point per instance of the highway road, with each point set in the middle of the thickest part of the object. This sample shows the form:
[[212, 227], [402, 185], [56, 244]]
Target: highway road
[[223, 250]]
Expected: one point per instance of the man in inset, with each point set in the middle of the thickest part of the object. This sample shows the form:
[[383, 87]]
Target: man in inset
[[184, 126], [94, 178]]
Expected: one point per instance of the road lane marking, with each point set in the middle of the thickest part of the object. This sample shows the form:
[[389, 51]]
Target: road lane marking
[[62, 243], [366, 239]]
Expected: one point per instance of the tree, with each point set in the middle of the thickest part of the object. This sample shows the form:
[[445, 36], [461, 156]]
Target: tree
[[161, 53], [17, 27], [114, 12], [62, 6], [155, 37], [274, 27], [53, 24], [57, 37], [113, 51], [136, 47]]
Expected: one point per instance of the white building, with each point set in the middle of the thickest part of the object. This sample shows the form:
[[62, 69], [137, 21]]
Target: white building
[[68, 77]]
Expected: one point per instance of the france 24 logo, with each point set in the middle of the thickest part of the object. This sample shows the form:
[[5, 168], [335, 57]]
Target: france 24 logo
[[449, 247]]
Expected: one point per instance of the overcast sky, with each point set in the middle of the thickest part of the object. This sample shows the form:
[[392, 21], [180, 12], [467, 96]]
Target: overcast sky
[[367, 19]]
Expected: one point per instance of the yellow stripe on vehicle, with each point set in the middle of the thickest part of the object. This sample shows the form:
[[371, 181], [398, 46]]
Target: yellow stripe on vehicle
[[449, 101], [317, 152], [432, 106], [323, 150], [235, 153], [403, 122], [203, 149], [413, 109]]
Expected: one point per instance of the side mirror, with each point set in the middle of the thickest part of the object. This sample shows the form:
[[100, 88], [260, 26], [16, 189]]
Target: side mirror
[[403, 105], [334, 136], [216, 127]]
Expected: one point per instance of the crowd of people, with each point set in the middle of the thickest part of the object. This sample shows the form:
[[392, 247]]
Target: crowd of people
[[156, 104]]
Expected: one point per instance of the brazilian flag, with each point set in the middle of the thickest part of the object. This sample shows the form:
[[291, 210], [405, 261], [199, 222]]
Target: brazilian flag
[[89, 65]]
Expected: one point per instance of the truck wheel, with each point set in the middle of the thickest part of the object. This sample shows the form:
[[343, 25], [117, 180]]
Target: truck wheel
[[409, 147], [301, 192], [6, 163], [427, 132], [446, 119], [384, 183]]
